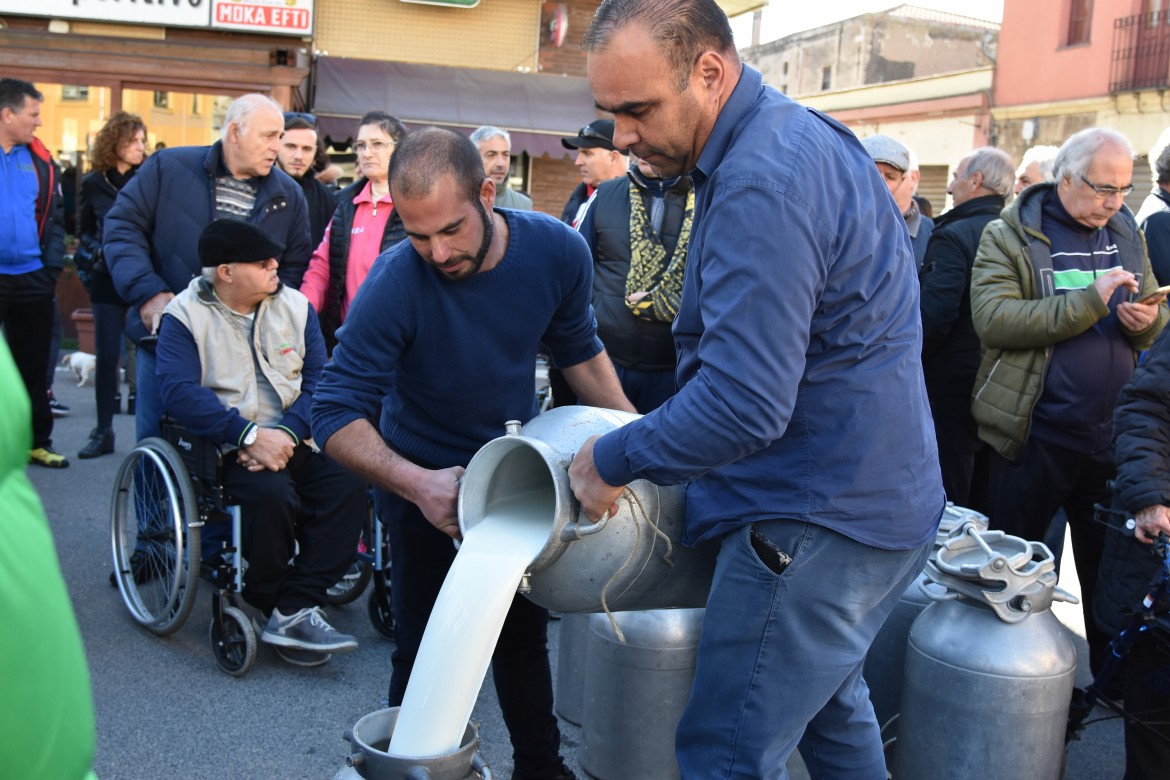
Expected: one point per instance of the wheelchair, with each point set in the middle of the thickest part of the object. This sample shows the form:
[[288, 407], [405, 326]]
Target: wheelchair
[[166, 491]]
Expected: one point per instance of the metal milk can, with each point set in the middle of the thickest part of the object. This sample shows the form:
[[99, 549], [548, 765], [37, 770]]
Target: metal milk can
[[636, 690], [887, 655], [570, 698], [631, 561], [989, 669]]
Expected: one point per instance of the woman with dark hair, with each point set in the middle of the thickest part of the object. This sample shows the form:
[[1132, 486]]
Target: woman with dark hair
[[364, 225], [119, 149]]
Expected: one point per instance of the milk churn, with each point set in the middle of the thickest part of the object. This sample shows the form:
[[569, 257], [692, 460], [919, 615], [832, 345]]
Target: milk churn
[[570, 699], [370, 738], [634, 560], [989, 668], [635, 692], [887, 655]]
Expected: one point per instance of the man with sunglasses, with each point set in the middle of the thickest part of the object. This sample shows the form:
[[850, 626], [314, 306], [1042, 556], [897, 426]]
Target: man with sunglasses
[[598, 160], [1063, 299], [297, 157]]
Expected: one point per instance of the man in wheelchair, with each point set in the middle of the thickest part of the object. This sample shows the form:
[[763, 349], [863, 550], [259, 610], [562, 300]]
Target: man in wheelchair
[[239, 356]]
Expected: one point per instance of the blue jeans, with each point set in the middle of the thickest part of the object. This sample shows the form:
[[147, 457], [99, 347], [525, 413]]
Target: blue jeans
[[780, 657], [149, 408]]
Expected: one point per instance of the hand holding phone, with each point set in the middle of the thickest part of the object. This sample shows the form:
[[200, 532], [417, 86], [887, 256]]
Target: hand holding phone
[[1160, 292]]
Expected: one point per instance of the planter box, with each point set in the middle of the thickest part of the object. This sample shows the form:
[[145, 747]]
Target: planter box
[[83, 322]]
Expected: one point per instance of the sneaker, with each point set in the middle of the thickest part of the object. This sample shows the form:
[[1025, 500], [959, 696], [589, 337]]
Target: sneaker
[[306, 658], [56, 407], [100, 443], [306, 629], [47, 457]]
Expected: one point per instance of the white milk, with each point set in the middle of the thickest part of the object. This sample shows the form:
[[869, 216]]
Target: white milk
[[465, 624]]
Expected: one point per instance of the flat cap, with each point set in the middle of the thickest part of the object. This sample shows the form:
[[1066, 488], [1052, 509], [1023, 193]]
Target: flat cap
[[884, 149], [235, 241]]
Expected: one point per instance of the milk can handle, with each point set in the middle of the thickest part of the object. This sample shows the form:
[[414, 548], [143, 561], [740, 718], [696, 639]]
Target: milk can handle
[[936, 591], [576, 530]]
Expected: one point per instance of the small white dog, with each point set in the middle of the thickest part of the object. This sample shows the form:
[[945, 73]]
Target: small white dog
[[82, 364]]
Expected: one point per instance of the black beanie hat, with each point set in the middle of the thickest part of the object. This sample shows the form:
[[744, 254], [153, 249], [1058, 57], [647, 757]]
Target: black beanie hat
[[235, 241]]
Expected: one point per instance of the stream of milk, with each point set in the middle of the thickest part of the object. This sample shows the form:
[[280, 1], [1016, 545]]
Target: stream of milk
[[465, 624]]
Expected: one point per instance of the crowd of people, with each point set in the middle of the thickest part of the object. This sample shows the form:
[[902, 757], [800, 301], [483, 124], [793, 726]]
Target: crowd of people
[[742, 271]]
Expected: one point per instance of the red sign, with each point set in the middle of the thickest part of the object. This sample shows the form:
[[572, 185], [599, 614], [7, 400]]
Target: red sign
[[267, 17]]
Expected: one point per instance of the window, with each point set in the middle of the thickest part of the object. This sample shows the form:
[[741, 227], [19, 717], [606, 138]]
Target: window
[[74, 92], [826, 77], [1079, 21], [162, 99], [785, 69]]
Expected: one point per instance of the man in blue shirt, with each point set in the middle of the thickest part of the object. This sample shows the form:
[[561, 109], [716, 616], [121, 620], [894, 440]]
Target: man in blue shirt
[[801, 421], [32, 252], [441, 341]]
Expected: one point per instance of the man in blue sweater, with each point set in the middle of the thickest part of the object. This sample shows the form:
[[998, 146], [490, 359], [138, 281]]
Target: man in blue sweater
[[441, 341], [801, 420]]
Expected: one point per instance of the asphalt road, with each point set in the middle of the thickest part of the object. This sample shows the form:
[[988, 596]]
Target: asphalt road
[[165, 710]]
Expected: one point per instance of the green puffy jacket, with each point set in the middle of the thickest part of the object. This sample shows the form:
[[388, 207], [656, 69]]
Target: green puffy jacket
[[46, 709], [1018, 324]]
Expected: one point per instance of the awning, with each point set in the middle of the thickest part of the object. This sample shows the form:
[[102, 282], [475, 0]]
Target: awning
[[536, 110]]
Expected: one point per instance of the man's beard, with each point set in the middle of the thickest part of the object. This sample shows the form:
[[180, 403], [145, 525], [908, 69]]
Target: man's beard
[[489, 231]]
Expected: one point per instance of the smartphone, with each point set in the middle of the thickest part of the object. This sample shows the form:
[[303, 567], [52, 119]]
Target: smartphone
[[1160, 291], [770, 555]]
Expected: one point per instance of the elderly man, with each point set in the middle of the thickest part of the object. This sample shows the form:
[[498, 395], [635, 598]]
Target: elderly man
[[239, 356], [1062, 300], [801, 421], [426, 350], [1035, 167], [152, 231], [297, 155], [950, 347], [495, 147], [32, 253], [598, 160], [1154, 215], [899, 169]]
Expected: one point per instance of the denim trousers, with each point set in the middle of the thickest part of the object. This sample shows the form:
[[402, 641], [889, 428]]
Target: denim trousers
[[780, 657]]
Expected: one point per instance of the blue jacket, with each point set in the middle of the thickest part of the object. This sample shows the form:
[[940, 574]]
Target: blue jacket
[[152, 232], [801, 392], [49, 210]]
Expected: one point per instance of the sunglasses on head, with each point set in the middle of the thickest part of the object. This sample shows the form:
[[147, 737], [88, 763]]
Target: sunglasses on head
[[589, 132], [310, 118]]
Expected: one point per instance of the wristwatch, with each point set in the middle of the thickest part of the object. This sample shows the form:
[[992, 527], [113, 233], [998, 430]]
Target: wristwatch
[[250, 436]]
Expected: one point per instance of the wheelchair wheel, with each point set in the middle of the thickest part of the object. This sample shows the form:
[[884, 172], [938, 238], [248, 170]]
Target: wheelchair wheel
[[154, 535], [378, 608], [233, 642], [350, 587]]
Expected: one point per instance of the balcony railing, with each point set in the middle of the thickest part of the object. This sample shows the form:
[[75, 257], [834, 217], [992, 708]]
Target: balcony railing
[[1141, 52]]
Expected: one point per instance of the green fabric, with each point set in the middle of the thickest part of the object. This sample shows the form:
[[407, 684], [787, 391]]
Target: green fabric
[[46, 709], [1017, 326]]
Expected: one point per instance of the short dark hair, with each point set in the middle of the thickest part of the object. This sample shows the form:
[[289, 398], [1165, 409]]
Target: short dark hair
[[683, 29], [14, 91], [426, 155], [118, 129], [390, 125]]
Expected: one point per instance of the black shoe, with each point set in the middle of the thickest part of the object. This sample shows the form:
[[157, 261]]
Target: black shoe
[[117, 403], [142, 572], [57, 408], [100, 443], [130, 405]]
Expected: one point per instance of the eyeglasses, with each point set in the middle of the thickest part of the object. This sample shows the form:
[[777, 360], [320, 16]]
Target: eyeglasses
[[310, 118], [1106, 192], [376, 147]]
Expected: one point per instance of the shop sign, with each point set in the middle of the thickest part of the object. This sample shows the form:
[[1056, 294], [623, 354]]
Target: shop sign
[[163, 13], [284, 17], [447, 3]]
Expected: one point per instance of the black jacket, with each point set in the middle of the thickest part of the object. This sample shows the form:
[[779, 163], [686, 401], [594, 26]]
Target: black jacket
[[950, 346], [98, 194], [579, 196], [339, 234], [151, 235], [50, 209], [322, 202], [1141, 436], [1154, 220], [632, 342]]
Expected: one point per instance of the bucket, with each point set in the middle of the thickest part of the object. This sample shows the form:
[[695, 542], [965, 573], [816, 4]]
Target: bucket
[[371, 736], [632, 561]]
